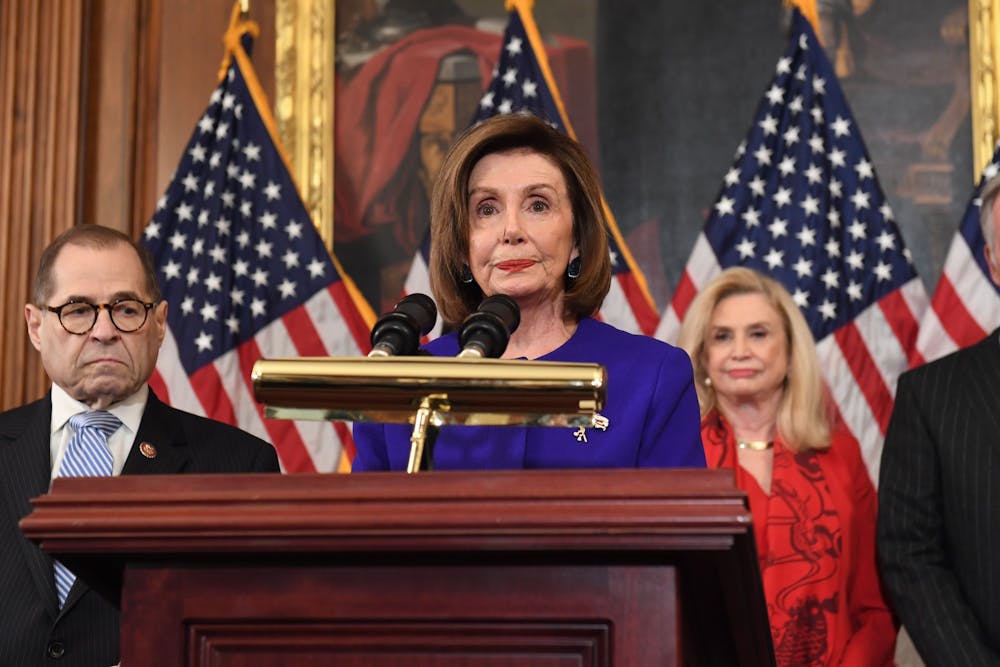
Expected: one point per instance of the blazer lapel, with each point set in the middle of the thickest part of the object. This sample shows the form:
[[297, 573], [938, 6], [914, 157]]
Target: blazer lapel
[[25, 471], [160, 446]]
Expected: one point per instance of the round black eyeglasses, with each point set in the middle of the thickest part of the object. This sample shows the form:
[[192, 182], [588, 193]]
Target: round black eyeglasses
[[79, 317]]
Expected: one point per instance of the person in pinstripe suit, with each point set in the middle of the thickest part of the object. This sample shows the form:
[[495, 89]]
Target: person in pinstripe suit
[[939, 495], [106, 366]]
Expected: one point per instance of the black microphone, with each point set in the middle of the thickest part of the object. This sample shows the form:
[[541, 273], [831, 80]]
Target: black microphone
[[398, 333], [486, 332]]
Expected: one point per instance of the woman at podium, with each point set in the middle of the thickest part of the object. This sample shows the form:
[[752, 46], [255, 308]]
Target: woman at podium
[[766, 415], [517, 210]]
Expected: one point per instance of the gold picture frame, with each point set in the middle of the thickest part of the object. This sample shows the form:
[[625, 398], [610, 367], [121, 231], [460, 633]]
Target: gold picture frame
[[304, 107], [305, 100], [984, 55]]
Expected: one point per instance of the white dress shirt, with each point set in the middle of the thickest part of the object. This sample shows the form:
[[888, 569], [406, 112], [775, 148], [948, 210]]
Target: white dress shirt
[[128, 411]]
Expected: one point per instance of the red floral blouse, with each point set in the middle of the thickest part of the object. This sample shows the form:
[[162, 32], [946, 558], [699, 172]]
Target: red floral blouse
[[815, 536]]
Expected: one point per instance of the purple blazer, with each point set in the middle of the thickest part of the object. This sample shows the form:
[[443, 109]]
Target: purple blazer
[[651, 407]]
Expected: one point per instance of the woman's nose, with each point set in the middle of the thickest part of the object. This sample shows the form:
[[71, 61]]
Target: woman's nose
[[513, 232], [740, 346]]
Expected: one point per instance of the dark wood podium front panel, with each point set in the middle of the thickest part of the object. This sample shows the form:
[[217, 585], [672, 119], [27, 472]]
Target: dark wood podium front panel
[[439, 616], [631, 568]]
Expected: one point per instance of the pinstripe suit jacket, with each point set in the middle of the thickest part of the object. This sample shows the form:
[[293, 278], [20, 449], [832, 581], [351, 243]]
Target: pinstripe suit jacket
[[939, 506], [32, 627]]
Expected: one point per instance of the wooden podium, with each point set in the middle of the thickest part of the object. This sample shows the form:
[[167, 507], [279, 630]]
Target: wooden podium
[[441, 569]]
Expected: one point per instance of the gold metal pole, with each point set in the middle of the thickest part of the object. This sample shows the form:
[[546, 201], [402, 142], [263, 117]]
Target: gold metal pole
[[425, 425]]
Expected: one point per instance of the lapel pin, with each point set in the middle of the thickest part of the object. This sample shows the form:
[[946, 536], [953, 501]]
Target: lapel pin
[[147, 450]]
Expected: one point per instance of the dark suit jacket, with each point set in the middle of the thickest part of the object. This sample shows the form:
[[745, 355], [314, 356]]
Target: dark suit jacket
[[939, 506], [33, 630]]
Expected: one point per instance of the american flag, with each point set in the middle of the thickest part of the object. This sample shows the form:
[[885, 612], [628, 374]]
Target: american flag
[[522, 81], [245, 273], [802, 204], [966, 303]]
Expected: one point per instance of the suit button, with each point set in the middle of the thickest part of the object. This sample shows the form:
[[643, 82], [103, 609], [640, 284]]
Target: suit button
[[56, 650]]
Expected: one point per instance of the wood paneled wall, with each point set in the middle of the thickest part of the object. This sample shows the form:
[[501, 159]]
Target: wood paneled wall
[[97, 100]]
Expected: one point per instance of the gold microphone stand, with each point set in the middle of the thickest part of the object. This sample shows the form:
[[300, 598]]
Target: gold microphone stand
[[430, 392]]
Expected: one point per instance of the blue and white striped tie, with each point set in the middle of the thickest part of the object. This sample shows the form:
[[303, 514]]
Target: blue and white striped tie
[[86, 456]]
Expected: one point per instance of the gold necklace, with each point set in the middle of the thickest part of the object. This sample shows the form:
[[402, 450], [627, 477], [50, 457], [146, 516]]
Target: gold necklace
[[756, 445]]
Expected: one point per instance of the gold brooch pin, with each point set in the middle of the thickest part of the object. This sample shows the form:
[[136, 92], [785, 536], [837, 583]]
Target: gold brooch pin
[[599, 421]]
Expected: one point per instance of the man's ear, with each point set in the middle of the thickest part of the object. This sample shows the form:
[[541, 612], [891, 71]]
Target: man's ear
[[33, 318], [991, 262], [160, 318]]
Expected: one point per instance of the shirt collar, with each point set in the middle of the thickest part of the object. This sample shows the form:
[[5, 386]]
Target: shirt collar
[[129, 410]]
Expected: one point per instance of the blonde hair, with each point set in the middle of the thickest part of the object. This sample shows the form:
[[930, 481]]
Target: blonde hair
[[450, 214], [803, 420]]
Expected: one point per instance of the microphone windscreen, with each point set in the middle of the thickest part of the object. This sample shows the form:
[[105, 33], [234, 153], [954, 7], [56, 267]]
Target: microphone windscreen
[[505, 308], [399, 332], [421, 309], [486, 331]]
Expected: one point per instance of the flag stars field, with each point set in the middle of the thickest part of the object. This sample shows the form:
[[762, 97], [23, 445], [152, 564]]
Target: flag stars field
[[802, 203], [227, 311], [231, 168]]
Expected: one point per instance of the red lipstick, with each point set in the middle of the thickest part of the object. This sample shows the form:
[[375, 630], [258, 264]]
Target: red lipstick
[[514, 265]]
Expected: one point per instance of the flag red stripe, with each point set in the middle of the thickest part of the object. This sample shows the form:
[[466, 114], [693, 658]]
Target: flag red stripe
[[159, 387], [645, 316], [683, 295], [283, 434], [352, 317], [303, 334], [302, 331], [866, 375], [954, 317], [903, 324], [211, 392]]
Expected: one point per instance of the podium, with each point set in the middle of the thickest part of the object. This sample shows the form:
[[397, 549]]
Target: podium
[[496, 568]]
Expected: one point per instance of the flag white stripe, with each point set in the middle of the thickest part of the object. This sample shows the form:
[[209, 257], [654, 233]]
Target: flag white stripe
[[851, 402], [418, 281], [915, 296], [884, 348], [703, 265], [236, 388], [617, 311], [331, 326], [933, 341], [182, 395], [975, 289], [319, 437]]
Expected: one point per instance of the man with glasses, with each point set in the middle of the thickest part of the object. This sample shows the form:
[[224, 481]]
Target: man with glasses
[[97, 320]]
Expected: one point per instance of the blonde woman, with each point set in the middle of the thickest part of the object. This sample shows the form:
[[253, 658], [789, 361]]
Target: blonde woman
[[765, 414]]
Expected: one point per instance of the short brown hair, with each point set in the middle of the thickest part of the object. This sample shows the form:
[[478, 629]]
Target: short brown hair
[[450, 214], [91, 236]]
